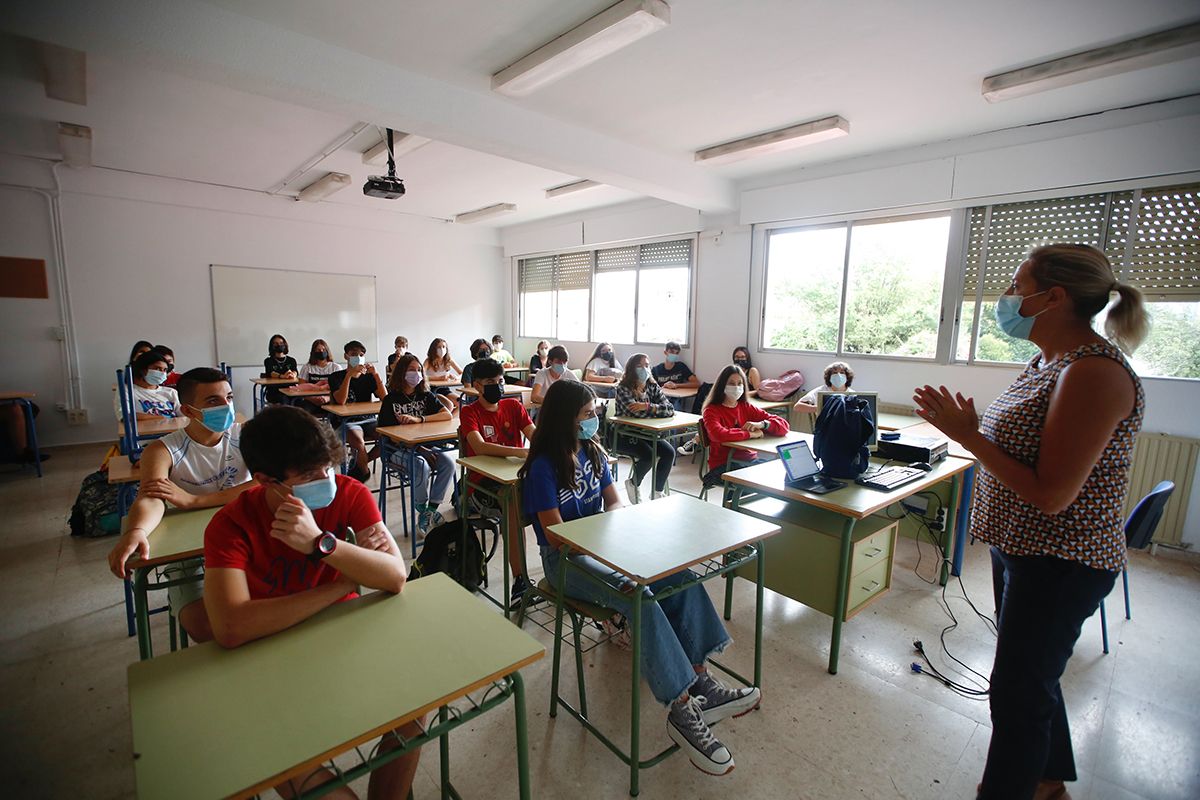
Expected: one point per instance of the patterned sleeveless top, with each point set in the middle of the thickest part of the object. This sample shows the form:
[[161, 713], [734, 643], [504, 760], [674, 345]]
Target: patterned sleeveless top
[[1091, 529]]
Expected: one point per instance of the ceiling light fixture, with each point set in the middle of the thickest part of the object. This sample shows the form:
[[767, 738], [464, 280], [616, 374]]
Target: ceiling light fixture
[[324, 186], [571, 188], [403, 144], [617, 26], [1145, 51], [485, 213], [776, 141]]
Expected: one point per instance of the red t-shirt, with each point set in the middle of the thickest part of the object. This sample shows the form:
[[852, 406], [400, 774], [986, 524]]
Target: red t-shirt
[[502, 426], [723, 425], [239, 537]]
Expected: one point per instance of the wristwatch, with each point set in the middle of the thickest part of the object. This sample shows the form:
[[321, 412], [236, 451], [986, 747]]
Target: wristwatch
[[326, 543]]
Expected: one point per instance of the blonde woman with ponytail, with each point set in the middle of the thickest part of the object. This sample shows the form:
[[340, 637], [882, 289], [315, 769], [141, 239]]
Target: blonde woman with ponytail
[[1054, 451]]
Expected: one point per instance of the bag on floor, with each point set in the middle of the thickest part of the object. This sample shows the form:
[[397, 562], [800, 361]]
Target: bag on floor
[[776, 389], [840, 435], [95, 510], [443, 552]]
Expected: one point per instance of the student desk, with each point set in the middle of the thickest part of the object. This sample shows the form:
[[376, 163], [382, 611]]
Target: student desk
[[209, 722], [394, 438], [654, 429], [296, 392], [443, 383], [351, 412], [262, 384], [850, 505], [646, 543], [179, 537], [23, 399], [510, 390], [682, 393], [159, 426], [520, 372], [504, 472], [771, 405], [894, 422]]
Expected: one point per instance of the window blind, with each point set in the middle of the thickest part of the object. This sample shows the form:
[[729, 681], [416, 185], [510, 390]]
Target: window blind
[[1163, 258], [666, 254], [536, 274], [616, 258], [573, 271]]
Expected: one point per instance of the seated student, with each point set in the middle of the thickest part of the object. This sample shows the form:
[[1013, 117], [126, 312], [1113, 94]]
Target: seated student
[[439, 366], [538, 361], [279, 554], [317, 369], [150, 399], [674, 374], [493, 426], [278, 364], [838, 378], [359, 382], [555, 370], [500, 354], [480, 349], [729, 418], [410, 402], [140, 347], [169, 355], [566, 477], [603, 366], [199, 466], [741, 357], [401, 344], [638, 395]]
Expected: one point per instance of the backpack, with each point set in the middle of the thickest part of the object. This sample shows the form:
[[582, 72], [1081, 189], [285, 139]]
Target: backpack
[[95, 510], [441, 552], [701, 396], [840, 435], [775, 389]]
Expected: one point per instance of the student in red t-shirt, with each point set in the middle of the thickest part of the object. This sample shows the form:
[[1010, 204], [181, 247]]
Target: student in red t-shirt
[[728, 417], [279, 554], [493, 426]]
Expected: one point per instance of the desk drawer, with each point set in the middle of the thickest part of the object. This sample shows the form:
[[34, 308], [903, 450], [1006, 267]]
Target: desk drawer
[[875, 549], [865, 586]]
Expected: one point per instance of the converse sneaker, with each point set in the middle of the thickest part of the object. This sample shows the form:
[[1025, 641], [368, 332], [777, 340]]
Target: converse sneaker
[[687, 728], [519, 587], [687, 448], [632, 492], [719, 701]]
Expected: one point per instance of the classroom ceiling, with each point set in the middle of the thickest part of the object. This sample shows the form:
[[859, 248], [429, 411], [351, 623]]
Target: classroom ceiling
[[245, 92]]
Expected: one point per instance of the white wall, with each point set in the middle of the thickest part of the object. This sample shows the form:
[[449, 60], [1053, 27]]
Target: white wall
[[138, 255]]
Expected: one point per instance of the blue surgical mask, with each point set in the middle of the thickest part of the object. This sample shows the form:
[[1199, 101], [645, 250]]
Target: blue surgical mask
[[588, 428], [1008, 315], [217, 419], [837, 380], [354, 361], [319, 493], [558, 369], [643, 374], [672, 357], [155, 377]]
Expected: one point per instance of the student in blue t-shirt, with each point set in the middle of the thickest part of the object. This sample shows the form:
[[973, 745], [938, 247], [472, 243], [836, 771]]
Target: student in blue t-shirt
[[566, 477]]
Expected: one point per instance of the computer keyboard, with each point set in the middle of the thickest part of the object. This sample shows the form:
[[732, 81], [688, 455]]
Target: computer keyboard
[[890, 478]]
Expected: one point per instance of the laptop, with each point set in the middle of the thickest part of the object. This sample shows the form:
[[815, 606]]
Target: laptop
[[802, 470]]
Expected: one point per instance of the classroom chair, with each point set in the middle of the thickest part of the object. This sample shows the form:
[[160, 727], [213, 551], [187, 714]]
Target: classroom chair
[[1139, 530], [705, 486]]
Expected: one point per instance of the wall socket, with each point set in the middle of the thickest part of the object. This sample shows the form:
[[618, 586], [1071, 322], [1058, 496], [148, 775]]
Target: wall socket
[[77, 416]]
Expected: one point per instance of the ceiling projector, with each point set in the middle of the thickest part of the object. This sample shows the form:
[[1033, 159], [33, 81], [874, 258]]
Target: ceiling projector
[[386, 187]]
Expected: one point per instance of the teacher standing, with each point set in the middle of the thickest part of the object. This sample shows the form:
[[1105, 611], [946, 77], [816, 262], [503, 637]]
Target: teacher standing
[[1055, 451]]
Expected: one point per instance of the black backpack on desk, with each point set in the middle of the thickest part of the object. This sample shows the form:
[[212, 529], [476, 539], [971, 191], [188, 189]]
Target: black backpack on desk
[[840, 436]]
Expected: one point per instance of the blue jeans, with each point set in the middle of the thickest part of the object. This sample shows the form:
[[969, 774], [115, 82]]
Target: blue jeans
[[1043, 603], [442, 474], [681, 631]]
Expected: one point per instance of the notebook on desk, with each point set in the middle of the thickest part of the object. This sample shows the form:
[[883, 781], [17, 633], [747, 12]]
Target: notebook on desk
[[802, 471]]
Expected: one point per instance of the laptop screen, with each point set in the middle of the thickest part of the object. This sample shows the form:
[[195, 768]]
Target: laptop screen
[[797, 460]]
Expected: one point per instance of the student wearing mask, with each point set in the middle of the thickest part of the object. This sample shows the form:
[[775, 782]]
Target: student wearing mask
[[317, 369], [278, 364], [603, 366], [673, 373], [638, 395], [501, 355], [538, 361], [358, 383], [555, 370], [439, 365], [199, 466], [741, 357], [150, 398], [728, 418], [169, 355], [566, 477], [496, 425], [401, 344], [838, 378], [409, 402], [480, 349]]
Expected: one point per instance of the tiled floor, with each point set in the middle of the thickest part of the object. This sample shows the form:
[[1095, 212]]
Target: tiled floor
[[876, 730]]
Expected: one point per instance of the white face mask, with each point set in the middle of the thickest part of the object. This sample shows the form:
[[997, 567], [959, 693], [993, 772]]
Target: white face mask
[[734, 392], [441, 351], [837, 380]]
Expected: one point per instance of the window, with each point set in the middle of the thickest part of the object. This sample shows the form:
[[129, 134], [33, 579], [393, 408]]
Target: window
[[869, 287], [639, 294], [1152, 238]]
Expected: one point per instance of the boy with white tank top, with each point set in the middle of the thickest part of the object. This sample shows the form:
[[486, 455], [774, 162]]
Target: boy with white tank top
[[199, 466]]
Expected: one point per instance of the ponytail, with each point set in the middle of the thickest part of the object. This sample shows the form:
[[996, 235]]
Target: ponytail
[[1127, 323]]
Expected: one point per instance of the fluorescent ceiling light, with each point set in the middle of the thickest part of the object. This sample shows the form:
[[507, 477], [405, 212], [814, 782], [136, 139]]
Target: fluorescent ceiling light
[[1145, 51], [776, 141], [610, 30], [75, 144], [570, 188], [485, 213], [324, 186], [402, 145]]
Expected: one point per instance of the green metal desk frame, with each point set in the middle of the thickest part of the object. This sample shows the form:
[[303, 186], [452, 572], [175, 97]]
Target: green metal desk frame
[[653, 436], [506, 495]]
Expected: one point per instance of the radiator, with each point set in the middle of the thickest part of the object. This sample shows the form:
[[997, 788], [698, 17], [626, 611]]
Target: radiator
[[1162, 457]]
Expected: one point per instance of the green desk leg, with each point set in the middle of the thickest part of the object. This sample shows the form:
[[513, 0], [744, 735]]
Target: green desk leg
[[522, 736], [444, 753], [734, 502], [839, 605], [948, 527], [507, 496], [758, 613], [635, 714], [142, 612]]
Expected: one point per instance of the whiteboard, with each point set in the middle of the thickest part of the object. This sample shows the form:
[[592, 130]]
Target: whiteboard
[[250, 305]]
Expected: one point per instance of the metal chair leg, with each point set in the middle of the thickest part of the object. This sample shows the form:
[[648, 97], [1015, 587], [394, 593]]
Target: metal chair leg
[[1125, 591], [576, 624], [1104, 627]]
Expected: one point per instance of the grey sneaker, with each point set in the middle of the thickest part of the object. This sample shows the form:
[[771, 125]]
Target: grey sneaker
[[428, 518], [719, 701], [687, 728], [632, 492]]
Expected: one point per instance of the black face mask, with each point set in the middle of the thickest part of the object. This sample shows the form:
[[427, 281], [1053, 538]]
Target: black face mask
[[741, 362], [278, 348], [607, 356], [319, 355], [492, 392], [484, 353]]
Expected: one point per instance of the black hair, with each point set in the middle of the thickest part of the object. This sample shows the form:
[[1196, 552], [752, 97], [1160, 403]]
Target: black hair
[[283, 439], [596, 354], [196, 377], [166, 351], [497, 338], [312, 359], [555, 436], [746, 350], [558, 353], [477, 348], [486, 369], [717, 395], [146, 360], [354, 344], [672, 346], [141, 344], [842, 367], [272, 341], [400, 340], [396, 383], [630, 379]]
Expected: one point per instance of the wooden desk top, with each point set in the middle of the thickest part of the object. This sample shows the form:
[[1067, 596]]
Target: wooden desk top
[[180, 535], [681, 419], [510, 390], [501, 470], [421, 432], [651, 540], [275, 381], [209, 722], [161, 426], [17, 395], [121, 470], [610, 385], [768, 405], [518, 369], [852, 500], [767, 444], [303, 391], [365, 409], [443, 383], [683, 393]]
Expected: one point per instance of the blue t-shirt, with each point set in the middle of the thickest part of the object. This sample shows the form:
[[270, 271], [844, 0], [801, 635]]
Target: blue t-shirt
[[542, 491]]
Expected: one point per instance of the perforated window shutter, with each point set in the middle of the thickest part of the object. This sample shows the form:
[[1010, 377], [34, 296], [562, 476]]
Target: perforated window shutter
[[573, 271], [536, 274], [976, 232], [1164, 257], [616, 258], [666, 254]]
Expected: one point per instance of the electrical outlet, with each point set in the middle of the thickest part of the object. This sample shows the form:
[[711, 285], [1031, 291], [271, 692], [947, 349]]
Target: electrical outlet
[[77, 416], [61, 406], [917, 505]]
